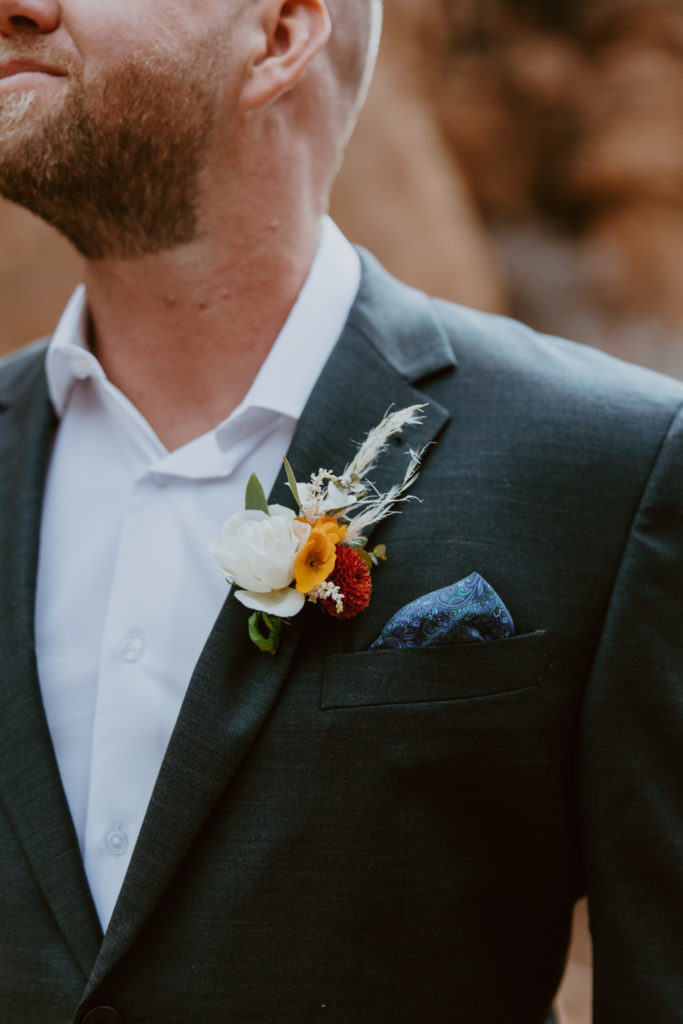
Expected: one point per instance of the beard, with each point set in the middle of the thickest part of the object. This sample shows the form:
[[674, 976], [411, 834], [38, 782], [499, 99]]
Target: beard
[[116, 166]]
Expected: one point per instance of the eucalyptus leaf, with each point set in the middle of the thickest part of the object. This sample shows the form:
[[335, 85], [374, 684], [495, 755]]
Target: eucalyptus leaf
[[255, 497], [291, 480], [380, 552], [367, 558]]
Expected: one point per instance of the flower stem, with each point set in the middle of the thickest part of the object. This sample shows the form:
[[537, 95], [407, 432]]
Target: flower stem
[[264, 631]]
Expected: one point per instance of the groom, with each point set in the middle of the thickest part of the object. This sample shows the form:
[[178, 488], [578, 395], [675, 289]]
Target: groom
[[191, 829]]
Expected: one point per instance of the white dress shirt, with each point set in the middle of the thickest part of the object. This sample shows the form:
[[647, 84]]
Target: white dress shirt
[[127, 591]]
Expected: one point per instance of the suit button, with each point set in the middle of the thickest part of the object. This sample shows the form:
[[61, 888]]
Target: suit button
[[103, 1015]]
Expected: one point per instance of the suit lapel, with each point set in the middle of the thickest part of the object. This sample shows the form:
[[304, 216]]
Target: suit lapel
[[234, 686], [31, 788]]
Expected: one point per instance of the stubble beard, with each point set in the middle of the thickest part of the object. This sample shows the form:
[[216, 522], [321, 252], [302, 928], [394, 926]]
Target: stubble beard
[[116, 166]]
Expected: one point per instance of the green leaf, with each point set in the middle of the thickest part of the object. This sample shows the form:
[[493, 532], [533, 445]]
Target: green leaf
[[365, 556], [264, 631], [291, 480], [380, 552], [255, 498]]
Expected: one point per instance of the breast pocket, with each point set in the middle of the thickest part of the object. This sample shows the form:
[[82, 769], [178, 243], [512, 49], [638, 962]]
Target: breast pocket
[[430, 674]]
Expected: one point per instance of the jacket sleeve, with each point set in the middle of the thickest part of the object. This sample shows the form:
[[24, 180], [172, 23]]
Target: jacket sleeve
[[631, 767]]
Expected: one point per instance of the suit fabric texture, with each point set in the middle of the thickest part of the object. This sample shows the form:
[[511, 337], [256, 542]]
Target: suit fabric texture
[[339, 834]]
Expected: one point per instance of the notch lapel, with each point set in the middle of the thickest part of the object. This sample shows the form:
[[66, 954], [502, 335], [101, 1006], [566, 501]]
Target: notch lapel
[[390, 339], [30, 785]]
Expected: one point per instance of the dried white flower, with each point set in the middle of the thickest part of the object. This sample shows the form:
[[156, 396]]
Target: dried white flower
[[379, 506], [378, 438], [328, 592]]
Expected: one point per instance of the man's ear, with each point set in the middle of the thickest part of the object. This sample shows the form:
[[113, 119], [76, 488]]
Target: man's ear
[[293, 32]]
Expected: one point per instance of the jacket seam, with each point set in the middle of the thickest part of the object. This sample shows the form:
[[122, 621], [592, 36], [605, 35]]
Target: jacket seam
[[636, 514]]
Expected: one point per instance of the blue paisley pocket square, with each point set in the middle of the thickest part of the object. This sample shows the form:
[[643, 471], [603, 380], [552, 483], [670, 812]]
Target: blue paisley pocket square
[[469, 610]]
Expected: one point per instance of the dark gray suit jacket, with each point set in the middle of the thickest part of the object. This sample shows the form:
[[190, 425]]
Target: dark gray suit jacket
[[389, 837]]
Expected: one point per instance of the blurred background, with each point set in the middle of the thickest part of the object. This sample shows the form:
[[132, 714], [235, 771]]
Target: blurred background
[[520, 156], [527, 156]]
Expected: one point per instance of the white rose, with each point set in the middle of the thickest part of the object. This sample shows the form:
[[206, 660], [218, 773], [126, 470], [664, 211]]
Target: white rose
[[257, 552]]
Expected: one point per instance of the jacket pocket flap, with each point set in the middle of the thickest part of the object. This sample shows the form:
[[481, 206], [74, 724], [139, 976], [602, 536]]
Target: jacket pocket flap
[[429, 674]]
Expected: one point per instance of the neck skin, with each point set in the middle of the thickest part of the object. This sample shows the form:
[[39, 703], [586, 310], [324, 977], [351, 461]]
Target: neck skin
[[183, 334]]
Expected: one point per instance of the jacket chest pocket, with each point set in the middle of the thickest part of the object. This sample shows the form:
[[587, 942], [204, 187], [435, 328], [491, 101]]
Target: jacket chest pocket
[[458, 672]]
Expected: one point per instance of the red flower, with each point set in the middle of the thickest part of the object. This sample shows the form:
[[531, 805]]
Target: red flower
[[352, 576]]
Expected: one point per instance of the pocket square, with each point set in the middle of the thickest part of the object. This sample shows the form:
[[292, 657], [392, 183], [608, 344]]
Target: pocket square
[[466, 611]]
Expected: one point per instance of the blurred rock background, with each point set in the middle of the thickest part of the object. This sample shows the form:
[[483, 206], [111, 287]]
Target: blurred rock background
[[567, 118], [527, 156], [521, 156]]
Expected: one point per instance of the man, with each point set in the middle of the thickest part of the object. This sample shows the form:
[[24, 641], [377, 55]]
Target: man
[[190, 828]]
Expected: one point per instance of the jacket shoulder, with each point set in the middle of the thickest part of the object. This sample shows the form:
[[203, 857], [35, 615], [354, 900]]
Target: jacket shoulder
[[501, 361], [505, 353], [21, 367]]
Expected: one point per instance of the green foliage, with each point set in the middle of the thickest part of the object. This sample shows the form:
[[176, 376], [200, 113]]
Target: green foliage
[[291, 480], [255, 497], [264, 631]]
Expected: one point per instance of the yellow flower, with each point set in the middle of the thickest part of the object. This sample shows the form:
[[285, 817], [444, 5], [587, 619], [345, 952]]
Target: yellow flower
[[332, 528], [318, 556]]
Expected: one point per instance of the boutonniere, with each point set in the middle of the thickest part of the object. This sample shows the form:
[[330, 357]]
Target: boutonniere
[[279, 558]]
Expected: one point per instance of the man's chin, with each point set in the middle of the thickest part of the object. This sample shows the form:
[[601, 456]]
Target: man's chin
[[16, 108], [114, 163], [23, 112], [25, 109]]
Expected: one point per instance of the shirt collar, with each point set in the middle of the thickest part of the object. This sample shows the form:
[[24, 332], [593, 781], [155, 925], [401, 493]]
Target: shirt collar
[[68, 357], [294, 363]]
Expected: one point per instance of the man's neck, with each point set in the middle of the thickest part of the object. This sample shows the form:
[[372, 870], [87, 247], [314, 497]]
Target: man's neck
[[183, 334]]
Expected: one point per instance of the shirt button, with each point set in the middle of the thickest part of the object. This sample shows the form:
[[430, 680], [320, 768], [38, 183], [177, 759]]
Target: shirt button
[[116, 842], [103, 1015], [131, 647]]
